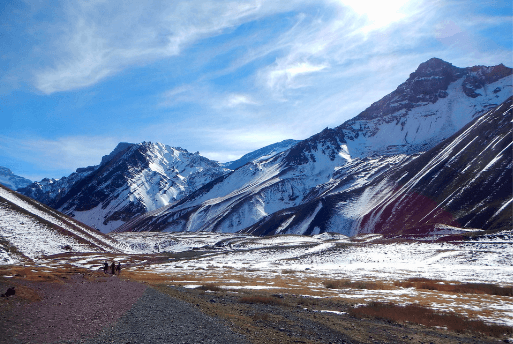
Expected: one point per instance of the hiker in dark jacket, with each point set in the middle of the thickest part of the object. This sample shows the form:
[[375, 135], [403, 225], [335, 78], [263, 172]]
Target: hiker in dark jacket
[[105, 267], [118, 268], [113, 268]]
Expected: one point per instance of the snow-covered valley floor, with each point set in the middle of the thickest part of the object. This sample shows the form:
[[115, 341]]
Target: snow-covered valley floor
[[303, 265]]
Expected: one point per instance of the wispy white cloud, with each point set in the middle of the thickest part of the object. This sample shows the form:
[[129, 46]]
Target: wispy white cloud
[[379, 13], [317, 49], [102, 38], [177, 95], [237, 141], [285, 75], [237, 99]]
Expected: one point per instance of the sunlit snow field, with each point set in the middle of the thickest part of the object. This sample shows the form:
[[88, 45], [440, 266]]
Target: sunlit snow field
[[302, 265]]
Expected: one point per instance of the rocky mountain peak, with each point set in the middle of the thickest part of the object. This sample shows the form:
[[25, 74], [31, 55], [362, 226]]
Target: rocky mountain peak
[[435, 66], [122, 146], [478, 76], [491, 74], [429, 83]]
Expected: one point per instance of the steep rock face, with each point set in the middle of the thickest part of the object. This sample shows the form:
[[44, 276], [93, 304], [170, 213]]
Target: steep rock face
[[323, 178], [133, 179], [12, 181]]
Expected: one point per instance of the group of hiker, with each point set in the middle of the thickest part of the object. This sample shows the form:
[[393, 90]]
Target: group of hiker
[[113, 268]]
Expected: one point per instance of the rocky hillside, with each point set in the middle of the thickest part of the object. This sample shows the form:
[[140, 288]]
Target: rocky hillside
[[29, 229], [466, 181]]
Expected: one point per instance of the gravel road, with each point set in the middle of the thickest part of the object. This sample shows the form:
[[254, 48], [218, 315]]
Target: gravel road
[[157, 318], [105, 310]]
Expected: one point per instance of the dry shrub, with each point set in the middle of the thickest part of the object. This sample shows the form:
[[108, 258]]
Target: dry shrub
[[428, 317], [209, 287], [35, 274], [345, 284], [268, 300], [462, 288], [286, 271], [27, 293]]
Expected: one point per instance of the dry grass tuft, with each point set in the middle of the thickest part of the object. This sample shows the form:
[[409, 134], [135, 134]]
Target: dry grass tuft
[[209, 287], [346, 284], [428, 317], [148, 277], [268, 300], [462, 288], [38, 274]]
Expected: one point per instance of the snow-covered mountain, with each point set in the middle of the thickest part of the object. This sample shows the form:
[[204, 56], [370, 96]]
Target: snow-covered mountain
[[279, 194], [464, 182], [29, 229], [133, 179], [12, 181], [261, 154]]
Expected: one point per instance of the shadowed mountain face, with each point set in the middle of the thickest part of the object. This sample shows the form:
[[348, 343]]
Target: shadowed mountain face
[[437, 100], [334, 180], [133, 179], [466, 181], [430, 83]]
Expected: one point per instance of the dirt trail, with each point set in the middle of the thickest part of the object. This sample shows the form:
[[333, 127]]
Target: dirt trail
[[100, 309]]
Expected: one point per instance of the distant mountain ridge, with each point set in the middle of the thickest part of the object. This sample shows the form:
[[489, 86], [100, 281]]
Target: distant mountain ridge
[[12, 181], [133, 179], [174, 190], [435, 102]]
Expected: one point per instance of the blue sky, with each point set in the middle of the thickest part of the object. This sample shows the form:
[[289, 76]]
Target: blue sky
[[219, 77]]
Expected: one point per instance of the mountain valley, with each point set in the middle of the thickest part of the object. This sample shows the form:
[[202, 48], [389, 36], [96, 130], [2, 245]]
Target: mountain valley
[[405, 209]]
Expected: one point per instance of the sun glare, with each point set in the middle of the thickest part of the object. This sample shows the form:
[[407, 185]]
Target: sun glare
[[379, 13]]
